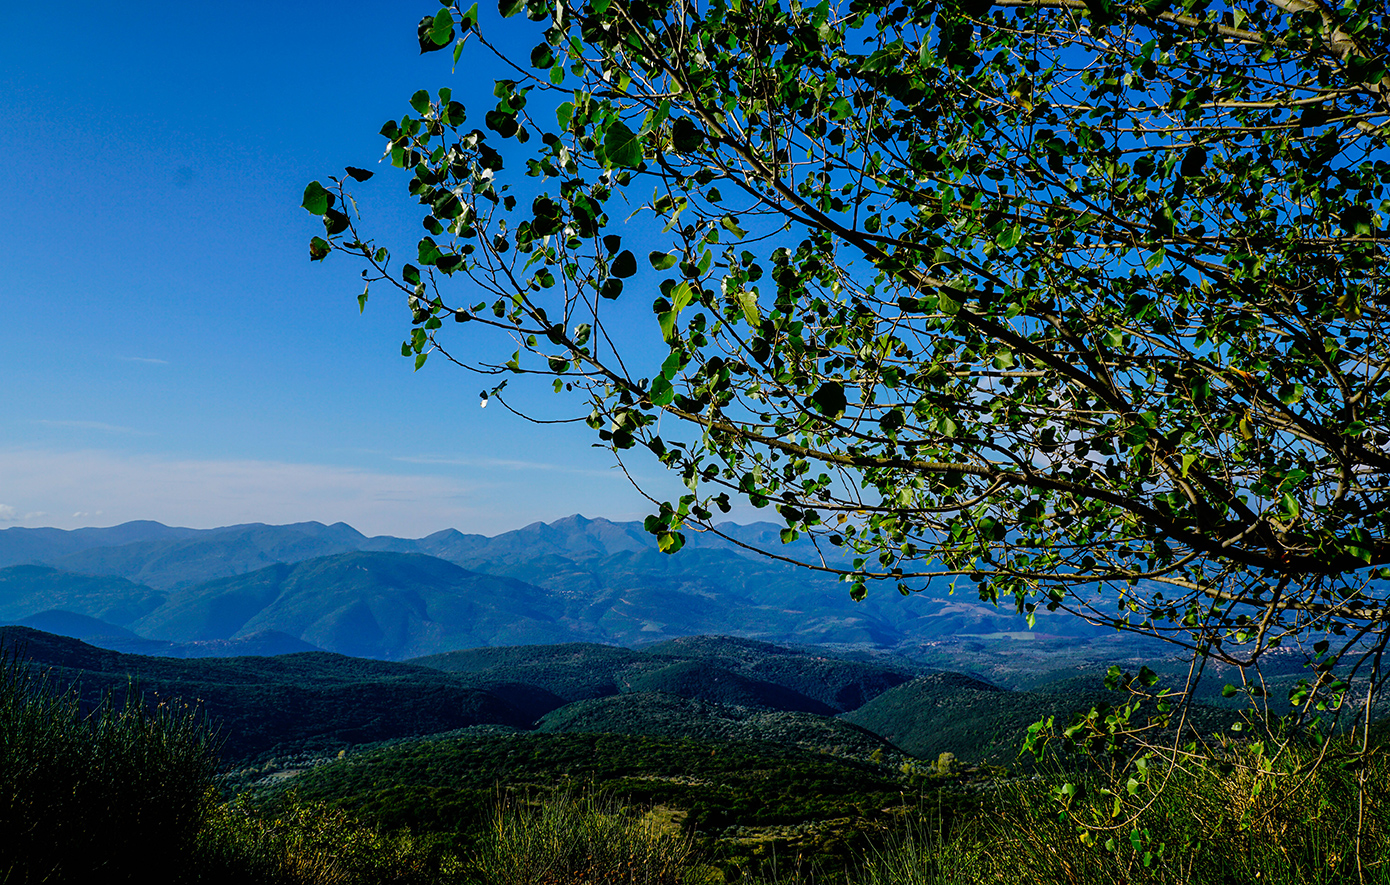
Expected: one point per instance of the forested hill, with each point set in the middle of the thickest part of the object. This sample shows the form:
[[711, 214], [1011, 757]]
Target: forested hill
[[704, 688]]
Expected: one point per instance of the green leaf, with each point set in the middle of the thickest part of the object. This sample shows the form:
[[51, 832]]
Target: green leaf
[[1103, 12], [748, 302], [662, 393], [1288, 507], [443, 30], [829, 399], [420, 101], [670, 542], [317, 199], [662, 261], [424, 35], [681, 295], [624, 264], [357, 175], [621, 147], [335, 222], [667, 321], [685, 136], [319, 249], [1193, 162], [509, 8], [1359, 544]]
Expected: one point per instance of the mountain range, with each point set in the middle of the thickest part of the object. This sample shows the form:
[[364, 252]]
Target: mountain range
[[258, 589]]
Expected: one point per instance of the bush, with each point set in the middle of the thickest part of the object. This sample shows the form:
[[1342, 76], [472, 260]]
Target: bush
[[118, 794], [309, 843]]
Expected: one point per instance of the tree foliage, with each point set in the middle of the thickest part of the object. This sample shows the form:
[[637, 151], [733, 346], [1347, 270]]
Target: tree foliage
[[1080, 301]]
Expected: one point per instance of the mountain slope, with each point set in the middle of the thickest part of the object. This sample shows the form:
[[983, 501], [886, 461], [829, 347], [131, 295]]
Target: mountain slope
[[385, 605], [26, 590]]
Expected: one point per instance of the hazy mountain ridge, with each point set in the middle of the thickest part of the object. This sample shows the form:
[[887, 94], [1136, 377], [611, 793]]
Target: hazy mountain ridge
[[575, 579]]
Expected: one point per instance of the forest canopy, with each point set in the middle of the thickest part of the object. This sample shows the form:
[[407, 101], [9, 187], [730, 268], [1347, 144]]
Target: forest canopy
[[1078, 301]]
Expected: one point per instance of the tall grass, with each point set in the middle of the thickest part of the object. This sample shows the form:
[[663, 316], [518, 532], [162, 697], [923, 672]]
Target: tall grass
[[578, 839], [1253, 824], [118, 794]]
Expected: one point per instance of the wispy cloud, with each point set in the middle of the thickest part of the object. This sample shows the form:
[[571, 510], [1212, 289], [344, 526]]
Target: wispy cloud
[[144, 359], [105, 488], [500, 463], [101, 426]]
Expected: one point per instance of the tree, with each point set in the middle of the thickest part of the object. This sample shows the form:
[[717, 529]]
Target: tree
[[1079, 301]]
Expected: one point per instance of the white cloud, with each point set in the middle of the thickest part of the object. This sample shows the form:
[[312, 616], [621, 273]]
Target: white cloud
[[8, 513], [145, 359]]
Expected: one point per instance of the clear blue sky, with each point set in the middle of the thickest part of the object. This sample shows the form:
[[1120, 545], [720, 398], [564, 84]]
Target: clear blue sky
[[168, 352]]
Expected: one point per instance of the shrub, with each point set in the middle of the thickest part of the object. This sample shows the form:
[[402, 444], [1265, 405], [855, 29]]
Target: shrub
[[310, 843], [117, 794]]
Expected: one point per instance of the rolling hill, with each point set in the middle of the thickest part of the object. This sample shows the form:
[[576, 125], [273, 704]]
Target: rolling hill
[[313, 702], [949, 712]]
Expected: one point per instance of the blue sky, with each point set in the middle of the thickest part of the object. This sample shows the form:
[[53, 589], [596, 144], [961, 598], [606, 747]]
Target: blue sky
[[167, 349]]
